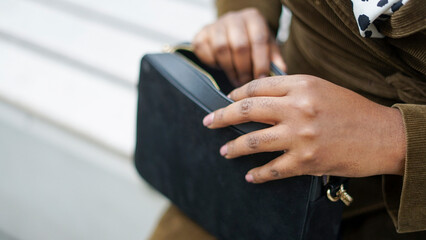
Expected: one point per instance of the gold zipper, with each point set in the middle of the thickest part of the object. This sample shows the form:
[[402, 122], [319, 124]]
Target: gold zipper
[[174, 49], [190, 48]]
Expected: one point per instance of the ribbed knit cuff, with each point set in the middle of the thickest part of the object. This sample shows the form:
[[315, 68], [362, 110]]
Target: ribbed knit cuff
[[406, 198]]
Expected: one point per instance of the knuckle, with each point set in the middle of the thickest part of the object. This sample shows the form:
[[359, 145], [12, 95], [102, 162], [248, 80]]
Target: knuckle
[[230, 14], [269, 138], [258, 177], [241, 48], [307, 107], [274, 81], [220, 48], [251, 11], [253, 142], [306, 103], [252, 87], [261, 38], [266, 103], [198, 44], [277, 170], [306, 83], [245, 107], [308, 133], [309, 157], [274, 173]]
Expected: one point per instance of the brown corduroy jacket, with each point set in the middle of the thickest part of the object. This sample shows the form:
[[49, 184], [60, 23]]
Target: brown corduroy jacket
[[324, 41]]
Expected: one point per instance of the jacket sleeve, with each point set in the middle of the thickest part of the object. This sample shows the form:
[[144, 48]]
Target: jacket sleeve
[[270, 9], [405, 197]]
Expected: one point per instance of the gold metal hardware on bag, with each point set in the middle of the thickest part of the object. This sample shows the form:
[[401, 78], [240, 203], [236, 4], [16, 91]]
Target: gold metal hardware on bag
[[171, 49], [341, 194], [190, 48], [187, 47]]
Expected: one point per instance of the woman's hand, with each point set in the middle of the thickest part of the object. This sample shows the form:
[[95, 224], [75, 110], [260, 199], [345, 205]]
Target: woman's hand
[[323, 128], [241, 44]]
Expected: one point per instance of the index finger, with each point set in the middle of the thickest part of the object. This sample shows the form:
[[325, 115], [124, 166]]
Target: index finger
[[262, 109], [259, 37], [271, 86], [240, 48]]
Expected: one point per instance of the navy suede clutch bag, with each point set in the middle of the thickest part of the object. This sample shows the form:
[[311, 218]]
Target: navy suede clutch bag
[[180, 158]]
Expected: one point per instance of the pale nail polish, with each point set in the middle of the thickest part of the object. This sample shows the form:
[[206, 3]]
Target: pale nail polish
[[208, 120], [249, 178], [224, 150]]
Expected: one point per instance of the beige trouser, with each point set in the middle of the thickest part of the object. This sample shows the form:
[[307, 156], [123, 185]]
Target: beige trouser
[[177, 226]]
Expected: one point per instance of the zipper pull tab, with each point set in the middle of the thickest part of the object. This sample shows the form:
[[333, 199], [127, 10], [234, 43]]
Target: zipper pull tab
[[341, 194]]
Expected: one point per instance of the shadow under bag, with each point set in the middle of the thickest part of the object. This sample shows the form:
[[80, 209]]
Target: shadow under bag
[[180, 157]]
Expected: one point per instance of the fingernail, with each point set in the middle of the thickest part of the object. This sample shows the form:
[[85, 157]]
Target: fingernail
[[249, 178], [208, 120], [224, 150], [263, 76], [228, 96]]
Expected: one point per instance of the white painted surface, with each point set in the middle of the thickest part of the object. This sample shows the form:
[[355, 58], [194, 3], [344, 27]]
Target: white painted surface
[[95, 44], [68, 75], [81, 102], [71, 69], [56, 186], [179, 19]]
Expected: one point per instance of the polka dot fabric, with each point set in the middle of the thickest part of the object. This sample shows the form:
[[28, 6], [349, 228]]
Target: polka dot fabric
[[368, 13]]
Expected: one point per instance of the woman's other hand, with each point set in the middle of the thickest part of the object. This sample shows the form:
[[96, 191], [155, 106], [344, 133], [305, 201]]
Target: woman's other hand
[[324, 129], [241, 44]]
